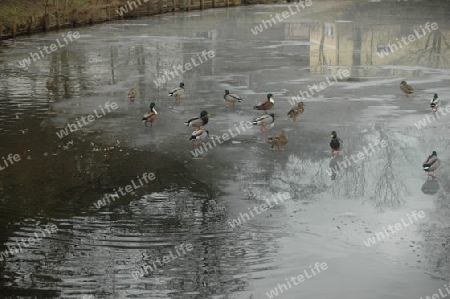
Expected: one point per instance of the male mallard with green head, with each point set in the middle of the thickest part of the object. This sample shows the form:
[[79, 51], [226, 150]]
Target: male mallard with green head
[[431, 164], [278, 141], [264, 121], [150, 116], [434, 103], [335, 143], [406, 88], [178, 92], [231, 98], [199, 121], [267, 105], [199, 135], [296, 111]]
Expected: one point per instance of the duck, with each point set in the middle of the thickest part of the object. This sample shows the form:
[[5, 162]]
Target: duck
[[178, 92], [150, 116], [278, 140], [199, 135], [132, 94], [231, 98], [335, 143], [434, 103], [199, 121], [263, 121], [50, 85], [296, 111], [406, 88], [267, 105], [431, 164]]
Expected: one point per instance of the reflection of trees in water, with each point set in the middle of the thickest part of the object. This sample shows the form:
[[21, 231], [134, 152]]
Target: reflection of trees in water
[[377, 177], [433, 54], [302, 178], [436, 230], [388, 186], [322, 58]]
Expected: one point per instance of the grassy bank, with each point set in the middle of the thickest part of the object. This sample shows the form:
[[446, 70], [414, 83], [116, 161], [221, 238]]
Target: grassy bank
[[18, 17]]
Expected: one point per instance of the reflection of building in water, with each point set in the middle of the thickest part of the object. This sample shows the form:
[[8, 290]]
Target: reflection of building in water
[[331, 44], [296, 31], [409, 45], [346, 43], [212, 34], [169, 55]]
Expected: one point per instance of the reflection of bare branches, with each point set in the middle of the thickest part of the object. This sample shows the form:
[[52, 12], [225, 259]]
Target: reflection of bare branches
[[303, 178], [351, 180], [388, 187], [436, 244], [431, 54], [322, 59]]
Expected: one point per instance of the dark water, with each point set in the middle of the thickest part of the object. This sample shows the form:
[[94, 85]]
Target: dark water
[[191, 200]]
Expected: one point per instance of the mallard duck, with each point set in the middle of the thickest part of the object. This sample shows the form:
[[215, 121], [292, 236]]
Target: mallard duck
[[278, 141], [267, 105], [263, 121], [434, 103], [132, 94], [231, 98], [50, 85], [406, 88], [335, 143], [199, 121], [199, 135], [431, 164], [296, 111], [178, 92], [150, 116]]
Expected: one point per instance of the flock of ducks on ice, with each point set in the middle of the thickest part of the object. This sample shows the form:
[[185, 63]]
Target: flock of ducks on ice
[[199, 134], [432, 162], [267, 121]]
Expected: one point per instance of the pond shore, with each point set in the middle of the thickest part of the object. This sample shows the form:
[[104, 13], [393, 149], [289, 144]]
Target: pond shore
[[26, 17]]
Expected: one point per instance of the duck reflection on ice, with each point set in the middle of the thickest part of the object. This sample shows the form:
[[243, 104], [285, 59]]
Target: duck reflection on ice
[[430, 187], [334, 162]]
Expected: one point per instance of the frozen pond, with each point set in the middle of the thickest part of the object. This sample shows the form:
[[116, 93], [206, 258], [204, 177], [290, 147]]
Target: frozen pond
[[175, 211]]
